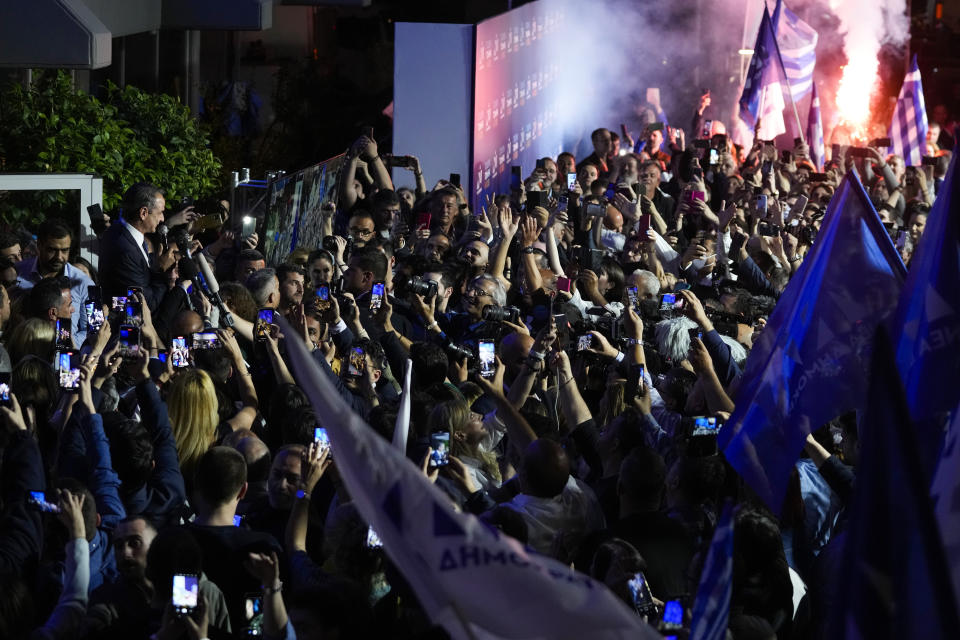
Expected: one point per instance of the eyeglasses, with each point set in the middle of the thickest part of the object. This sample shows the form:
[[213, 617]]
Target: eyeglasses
[[360, 232], [477, 292]]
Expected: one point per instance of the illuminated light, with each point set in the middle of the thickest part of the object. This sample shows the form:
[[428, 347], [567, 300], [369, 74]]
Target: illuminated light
[[855, 90], [745, 52]]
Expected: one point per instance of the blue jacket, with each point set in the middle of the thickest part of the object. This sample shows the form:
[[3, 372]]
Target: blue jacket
[[723, 363], [161, 498], [85, 455]]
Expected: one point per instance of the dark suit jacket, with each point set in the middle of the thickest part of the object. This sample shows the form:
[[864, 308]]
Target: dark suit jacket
[[122, 265]]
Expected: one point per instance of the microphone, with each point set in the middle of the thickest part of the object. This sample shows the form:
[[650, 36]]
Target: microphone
[[212, 288], [162, 232]]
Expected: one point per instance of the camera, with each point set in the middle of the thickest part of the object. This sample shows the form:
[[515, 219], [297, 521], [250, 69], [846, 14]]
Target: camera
[[419, 286], [458, 352], [501, 314]]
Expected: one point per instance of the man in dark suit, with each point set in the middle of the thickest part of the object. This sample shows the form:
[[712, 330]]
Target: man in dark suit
[[124, 254]]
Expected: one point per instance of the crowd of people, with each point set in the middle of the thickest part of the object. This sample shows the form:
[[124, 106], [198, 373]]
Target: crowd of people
[[576, 344]]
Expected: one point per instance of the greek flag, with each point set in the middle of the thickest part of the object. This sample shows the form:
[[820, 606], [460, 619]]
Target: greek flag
[[762, 96], [809, 364], [908, 131], [470, 579], [798, 43], [711, 609], [815, 131]]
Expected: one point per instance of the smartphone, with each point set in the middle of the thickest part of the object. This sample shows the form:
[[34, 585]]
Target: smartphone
[[817, 177], [455, 179], [564, 284], [93, 309], [367, 131], [714, 157], [132, 311], [248, 228], [205, 340], [640, 595], [322, 439], [38, 500], [516, 179], [373, 540], [253, 614], [179, 352], [357, 362], [571, 181], [423, 221], [860, 152], [69, 374], [786, 156], [690, 196], [643, 226], [800, 205], [440, 443], [762, 204], [536, 199], [237, 520], [487, 357], [129, 341], [119, 303], [186, 589], [540, 163], [5, 389], [584, 342], [696, 332], [262, 327], [670, 301], [162, 355], [595, 210], [323, 293], [563, 330], [634, 297], [736, 244], [768, 230], [63, 333], [658, 126], [797, 142], [207, 222], [672, 615], [834, 151], [562, 202], [707, 128], [376, 296]]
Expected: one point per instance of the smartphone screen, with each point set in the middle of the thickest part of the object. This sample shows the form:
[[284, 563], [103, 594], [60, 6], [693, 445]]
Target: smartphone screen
[[376, 296], [129, 341], [714, 157], [373, 540], [248, 228], [5, 389], [323, 293], [180, 352], [206, 340], [69, 376], [640, 594], [64, 338], [564, 284], [643, 226], [634, 298], [94, 313], [357, 362], [440, 443], [762, 203], [264, 320], [562, 203], [571, 181], [487, 357], [321, 438], [119, 303], [707, 128], [38, 500], [186, 588], [673, 615], [237, 520], [563, 330], [610, 192], [584, 342], [253, 614]]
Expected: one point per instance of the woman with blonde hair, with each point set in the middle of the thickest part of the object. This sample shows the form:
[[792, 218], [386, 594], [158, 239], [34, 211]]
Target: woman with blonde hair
[[192, 405], [32, 337], [467, 432]]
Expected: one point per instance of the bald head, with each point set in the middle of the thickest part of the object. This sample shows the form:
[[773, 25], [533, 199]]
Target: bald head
[[546, 469], [514, 348], [187, 322]]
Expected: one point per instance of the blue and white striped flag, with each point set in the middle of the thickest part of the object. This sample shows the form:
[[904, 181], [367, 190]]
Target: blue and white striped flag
[[908, 131], [815, 131], [798, 43], [711, 609], [763, 87]]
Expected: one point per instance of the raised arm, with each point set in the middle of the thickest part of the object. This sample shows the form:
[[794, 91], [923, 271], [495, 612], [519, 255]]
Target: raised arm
[[520, 431]]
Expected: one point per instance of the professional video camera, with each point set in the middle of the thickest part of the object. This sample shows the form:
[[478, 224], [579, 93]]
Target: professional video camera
[[501, 314]]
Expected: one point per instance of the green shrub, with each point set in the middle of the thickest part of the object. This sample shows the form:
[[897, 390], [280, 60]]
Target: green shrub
[[130, 136]]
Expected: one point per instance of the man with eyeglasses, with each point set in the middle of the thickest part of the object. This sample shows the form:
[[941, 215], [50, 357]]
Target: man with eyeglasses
[[361, 228], [467, 326]]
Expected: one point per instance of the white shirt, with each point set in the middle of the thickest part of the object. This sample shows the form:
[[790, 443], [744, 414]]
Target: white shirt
[[556, 526]]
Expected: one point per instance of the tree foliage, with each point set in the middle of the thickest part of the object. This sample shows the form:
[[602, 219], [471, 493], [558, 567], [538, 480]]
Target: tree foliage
[[129, 136]]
